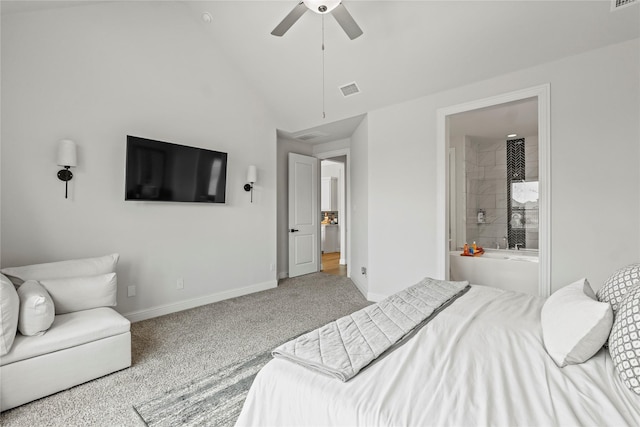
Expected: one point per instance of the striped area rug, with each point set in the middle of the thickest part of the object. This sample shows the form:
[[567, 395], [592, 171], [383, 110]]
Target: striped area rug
[[214, 400]]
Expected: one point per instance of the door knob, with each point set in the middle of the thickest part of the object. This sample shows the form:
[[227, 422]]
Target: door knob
[[293, 230]]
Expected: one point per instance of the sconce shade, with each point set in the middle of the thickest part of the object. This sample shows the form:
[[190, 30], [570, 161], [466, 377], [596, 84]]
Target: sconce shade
[[67, 153], [252, 174]]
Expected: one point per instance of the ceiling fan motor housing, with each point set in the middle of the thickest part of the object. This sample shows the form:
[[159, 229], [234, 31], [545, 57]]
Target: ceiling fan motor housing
[[321, 6]]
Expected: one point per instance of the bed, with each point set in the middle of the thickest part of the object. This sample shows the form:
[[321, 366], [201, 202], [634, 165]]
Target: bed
[[481, 361]]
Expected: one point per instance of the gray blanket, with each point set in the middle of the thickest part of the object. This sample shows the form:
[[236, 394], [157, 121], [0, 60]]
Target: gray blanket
[[344, 347]]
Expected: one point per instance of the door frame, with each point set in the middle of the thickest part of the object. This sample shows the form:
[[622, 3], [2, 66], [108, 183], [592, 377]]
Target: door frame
[[325, 155], [543, 95]]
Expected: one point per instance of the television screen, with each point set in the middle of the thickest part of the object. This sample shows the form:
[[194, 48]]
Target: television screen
[[161, 171]]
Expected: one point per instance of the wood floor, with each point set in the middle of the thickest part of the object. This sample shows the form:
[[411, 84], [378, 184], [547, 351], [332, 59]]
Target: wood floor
[[331, 264]]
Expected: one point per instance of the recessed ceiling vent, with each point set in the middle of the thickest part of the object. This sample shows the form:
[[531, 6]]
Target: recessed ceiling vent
[[349, 89], [309, 136], [619, 4]]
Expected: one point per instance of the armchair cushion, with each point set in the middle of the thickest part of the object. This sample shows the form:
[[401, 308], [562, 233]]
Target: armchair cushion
[[63, 269], [82, 293], [68, 331]]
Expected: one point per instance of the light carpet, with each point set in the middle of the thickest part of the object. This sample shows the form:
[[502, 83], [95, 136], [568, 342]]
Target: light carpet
[[175, 349]]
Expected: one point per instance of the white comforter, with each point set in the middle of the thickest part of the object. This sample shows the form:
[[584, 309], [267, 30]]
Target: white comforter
[[479, 362]]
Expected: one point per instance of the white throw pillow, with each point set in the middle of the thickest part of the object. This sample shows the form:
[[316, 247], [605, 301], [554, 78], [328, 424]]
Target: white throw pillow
[[615, 287], [62, 269], [82, 293], [624, 343], [9, 309], [574, 324], [36, 309]]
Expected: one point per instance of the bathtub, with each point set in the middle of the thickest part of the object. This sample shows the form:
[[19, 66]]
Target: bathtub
[[505, 269]]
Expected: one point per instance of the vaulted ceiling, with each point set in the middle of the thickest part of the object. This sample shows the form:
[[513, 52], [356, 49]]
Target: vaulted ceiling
[[409, 48]]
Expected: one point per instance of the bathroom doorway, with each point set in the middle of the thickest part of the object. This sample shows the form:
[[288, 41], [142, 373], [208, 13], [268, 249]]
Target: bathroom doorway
[[457, 222]]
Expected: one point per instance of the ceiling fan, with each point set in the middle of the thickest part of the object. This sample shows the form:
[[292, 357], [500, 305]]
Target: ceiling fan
[[322, 7]]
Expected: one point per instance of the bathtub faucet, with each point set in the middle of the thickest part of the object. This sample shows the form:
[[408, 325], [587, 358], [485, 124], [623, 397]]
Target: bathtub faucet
[[517, 245]]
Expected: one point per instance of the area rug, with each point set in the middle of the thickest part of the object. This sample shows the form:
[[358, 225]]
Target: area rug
[[213, 400]]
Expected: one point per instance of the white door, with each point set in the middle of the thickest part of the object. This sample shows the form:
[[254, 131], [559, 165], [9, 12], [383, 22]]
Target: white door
[[304, 215]]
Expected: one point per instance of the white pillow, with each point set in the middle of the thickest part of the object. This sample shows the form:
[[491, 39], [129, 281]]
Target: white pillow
[[9, 309], [574, 324], [63, 269], [624, 344], [82, 293], [36, 309]]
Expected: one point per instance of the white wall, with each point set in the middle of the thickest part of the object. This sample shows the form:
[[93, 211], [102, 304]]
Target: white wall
[[95, 74], [595, 180], [329, 169], [402, 194], [286, 146], [359, 215]]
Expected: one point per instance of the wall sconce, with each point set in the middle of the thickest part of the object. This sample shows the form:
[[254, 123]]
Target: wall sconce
[[66, 158], [252, 175]]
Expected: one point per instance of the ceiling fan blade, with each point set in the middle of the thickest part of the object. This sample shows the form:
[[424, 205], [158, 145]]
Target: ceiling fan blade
[[346, 21], [289, 20]]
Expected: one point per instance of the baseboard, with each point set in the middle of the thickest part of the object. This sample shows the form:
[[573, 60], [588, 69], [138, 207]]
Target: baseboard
[[361, 286], [150, 313], [283, 275], [375, 297], [365, 293]]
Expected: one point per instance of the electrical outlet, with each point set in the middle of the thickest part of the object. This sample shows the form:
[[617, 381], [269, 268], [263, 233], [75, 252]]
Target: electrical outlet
[[363, 270], [131, 291], [180, 284]]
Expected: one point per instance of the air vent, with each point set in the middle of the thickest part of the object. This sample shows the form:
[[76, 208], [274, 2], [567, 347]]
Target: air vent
[[310, 135], [619, 4], [349, 89]]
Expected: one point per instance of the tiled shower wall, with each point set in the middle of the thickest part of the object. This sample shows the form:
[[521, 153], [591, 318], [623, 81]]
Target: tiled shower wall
[[486, 189]]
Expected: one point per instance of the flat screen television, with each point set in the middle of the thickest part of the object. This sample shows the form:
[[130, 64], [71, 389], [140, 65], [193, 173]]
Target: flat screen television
[[166, 172]]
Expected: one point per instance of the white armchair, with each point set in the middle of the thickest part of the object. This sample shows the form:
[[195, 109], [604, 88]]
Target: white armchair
[[86, 338]]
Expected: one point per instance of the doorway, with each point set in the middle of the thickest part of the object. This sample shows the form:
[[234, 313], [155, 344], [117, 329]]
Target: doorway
[[542, 96], [333, 212]]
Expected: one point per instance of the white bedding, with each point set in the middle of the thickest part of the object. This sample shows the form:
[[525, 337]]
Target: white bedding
[[479, 362]]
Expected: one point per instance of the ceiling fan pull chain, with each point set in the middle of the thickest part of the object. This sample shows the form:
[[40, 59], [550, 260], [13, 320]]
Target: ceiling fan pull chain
[[324, 116]]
